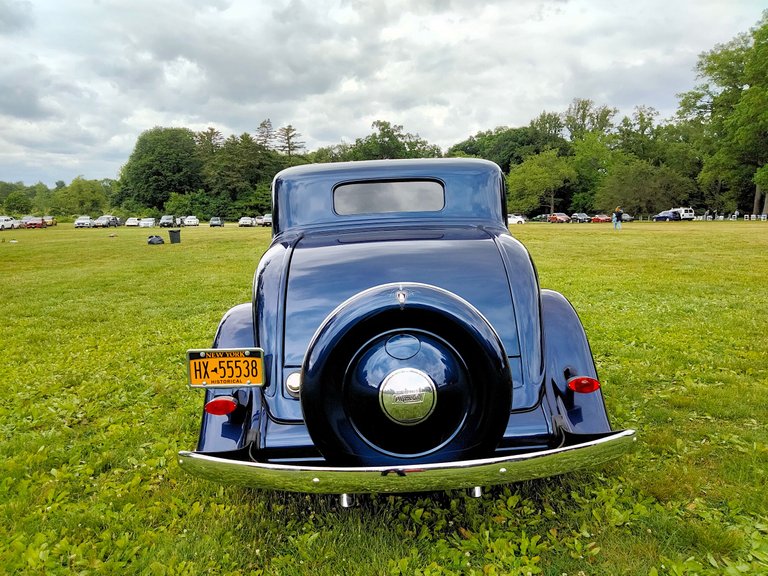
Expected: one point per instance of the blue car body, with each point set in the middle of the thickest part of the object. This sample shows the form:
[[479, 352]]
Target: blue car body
[[667, 216], [407, 345]]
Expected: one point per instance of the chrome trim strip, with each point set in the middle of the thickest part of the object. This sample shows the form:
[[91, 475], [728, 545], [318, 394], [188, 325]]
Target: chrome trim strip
[[416, 478]]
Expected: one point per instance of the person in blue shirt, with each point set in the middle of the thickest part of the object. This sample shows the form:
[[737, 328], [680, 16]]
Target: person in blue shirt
[[616, 217]]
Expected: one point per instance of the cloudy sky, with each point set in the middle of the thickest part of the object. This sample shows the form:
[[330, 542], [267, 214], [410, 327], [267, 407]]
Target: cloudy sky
[[81, 79]]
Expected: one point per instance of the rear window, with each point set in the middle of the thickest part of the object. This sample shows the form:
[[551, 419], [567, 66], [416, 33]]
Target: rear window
[[382, 197]]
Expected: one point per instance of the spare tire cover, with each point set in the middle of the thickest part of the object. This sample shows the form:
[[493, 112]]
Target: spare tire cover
[[402, 374]]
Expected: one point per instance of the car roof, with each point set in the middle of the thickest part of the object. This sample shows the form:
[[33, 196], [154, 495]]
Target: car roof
[[302, 196]]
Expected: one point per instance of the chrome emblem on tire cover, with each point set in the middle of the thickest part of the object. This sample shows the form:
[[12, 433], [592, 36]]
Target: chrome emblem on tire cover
[[407, 396]]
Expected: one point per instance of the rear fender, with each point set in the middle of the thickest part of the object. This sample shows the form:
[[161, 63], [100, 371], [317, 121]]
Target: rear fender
[[226, 433], [567, 354]]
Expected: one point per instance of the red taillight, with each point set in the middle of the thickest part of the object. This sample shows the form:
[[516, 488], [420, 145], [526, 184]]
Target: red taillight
[[221, 406], [583, 384]]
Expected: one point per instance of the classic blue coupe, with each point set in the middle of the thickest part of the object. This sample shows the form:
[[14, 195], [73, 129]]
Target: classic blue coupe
[[397, 341]]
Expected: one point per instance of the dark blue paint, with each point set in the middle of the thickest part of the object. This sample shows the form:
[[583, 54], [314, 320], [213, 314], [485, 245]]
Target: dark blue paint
[[568, 354], [462, 354], [529, 341], [327, 269], [303, 195], [225, 433]]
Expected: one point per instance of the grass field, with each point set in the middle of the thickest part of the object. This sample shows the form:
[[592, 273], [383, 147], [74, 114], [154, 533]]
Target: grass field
[[94, 331]]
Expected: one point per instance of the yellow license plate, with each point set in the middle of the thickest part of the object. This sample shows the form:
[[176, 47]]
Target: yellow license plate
[[225, 367]]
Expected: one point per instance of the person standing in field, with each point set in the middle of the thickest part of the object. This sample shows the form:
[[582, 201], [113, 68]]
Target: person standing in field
[[617, 215]]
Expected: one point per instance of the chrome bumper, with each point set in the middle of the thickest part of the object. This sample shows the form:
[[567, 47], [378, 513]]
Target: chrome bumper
[[416, 478]]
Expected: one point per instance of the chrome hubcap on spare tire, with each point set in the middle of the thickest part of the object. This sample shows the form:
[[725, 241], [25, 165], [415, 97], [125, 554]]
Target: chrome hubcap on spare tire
[[407, 396], [375, 368]]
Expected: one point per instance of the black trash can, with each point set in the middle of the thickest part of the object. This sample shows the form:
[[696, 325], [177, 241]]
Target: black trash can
[[175, 236]]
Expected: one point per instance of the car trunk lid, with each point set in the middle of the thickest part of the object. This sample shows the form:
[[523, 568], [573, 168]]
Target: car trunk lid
[[328, 268]]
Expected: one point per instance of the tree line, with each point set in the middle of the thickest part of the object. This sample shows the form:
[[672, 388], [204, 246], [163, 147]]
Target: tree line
[[711, 155]]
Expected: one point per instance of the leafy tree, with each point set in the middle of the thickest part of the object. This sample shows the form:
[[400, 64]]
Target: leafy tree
[[680, 145], [730, 102], [131, 208], [208, 143], [592, 161], [198, 203], [546, 132], [636, 135], [17, 202], [163, 161], [7, 187], [179, 204], [502, 145], [548, 124], [642, 188], [583, 117], [227, 173], [722, 183], [80, 197], [235, 171], [262, 198], [42, 198], [336, 153], [389, 141], [537, 181], [748, 124], [259, 201]]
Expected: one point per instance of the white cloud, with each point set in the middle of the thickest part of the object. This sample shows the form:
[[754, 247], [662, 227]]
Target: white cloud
[[80, 80]]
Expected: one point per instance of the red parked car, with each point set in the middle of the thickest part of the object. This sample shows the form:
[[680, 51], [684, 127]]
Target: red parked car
[[601, 218], [35, 222], [558, 218]]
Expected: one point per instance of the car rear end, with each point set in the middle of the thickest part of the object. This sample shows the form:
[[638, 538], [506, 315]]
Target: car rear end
[[399, 346]]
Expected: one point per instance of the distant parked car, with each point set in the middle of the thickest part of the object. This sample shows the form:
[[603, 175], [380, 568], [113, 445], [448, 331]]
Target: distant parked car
[[166, 221], [627, 217], [580, 218], [245, 221], [105, 221], [558, 218], [132, 221], [216, 221], [191, 221], [540, 218], [147, 223], [35, 222], [84, 222], [600, 218], [267, 220], [258, 220], [50, 220], [9, 223], [667, 216], [515, 219]]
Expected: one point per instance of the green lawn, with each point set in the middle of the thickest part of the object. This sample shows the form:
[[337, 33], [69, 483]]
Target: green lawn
[[94, 331]]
